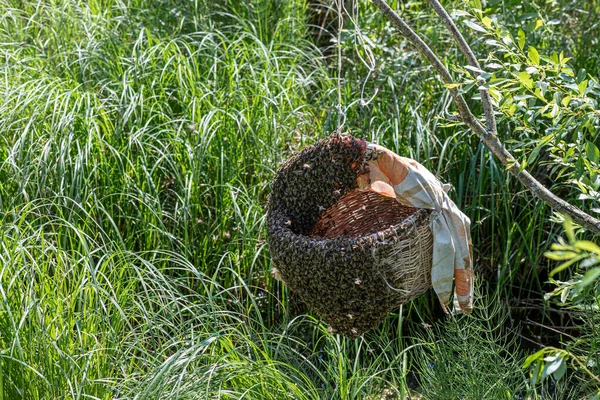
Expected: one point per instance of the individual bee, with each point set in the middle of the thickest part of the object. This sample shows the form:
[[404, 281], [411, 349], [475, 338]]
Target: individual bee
[[276, 274]]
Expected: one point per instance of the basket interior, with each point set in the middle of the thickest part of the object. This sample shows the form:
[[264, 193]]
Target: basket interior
[[360, 213]]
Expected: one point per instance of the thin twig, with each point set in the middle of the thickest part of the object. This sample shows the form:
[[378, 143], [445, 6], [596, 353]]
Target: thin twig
[[486, 100], [532, 322], [488, 136]]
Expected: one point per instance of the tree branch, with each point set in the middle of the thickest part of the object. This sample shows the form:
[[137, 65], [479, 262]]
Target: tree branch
[[488, 136]]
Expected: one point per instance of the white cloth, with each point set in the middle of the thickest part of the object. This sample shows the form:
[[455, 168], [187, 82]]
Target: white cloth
[[413, 185]]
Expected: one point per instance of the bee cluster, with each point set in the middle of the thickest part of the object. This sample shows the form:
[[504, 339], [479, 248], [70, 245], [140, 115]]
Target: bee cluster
[[351, 256]]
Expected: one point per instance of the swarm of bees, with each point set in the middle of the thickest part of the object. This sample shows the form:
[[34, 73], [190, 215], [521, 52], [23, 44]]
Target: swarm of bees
[[352, 256]]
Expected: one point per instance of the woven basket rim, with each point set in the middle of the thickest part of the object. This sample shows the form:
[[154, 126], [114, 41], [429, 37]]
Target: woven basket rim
[[399, 231]]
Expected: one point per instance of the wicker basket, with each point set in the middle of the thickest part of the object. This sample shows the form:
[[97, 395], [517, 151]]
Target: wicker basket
[[352, 256]]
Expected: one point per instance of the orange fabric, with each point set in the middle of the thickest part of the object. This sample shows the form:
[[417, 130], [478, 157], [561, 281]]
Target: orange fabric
[[462, 281], [393, 167], [383, 188]]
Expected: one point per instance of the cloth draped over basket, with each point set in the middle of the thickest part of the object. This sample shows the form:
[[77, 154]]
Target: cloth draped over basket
[[413, 185], [356, 230]]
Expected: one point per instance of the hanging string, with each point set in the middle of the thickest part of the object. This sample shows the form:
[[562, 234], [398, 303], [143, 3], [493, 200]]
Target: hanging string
[[368, 60], [341, 120]]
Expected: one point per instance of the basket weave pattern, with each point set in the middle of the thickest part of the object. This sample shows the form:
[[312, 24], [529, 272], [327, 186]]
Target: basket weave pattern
[[352, 256]]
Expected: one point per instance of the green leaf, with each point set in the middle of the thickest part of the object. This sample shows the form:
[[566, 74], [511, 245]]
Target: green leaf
[[487, 22], [523, 97], [560, 372], [561, 255], [452, 85], [533, 357], [534, 154], [465, 89], [535, 375], [510, 162], [572, 86], [564, 296], [495, 93], [538, 23], [565, 265], [566, 100], [588, 246], [582, 86], [475, 27], [546, 139], [474, 69], [492, 42], [521, 41], [555, 110], [525, 79], [552, 366], [494, 66], [589, 278], [593, 154], [561, 246], [589, 262], [568, 71], [534, 56], [569, 229], [476, 4]]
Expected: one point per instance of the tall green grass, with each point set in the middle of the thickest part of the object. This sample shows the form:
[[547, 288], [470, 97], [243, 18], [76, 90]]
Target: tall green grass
[[138, 142], [135, 154]]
